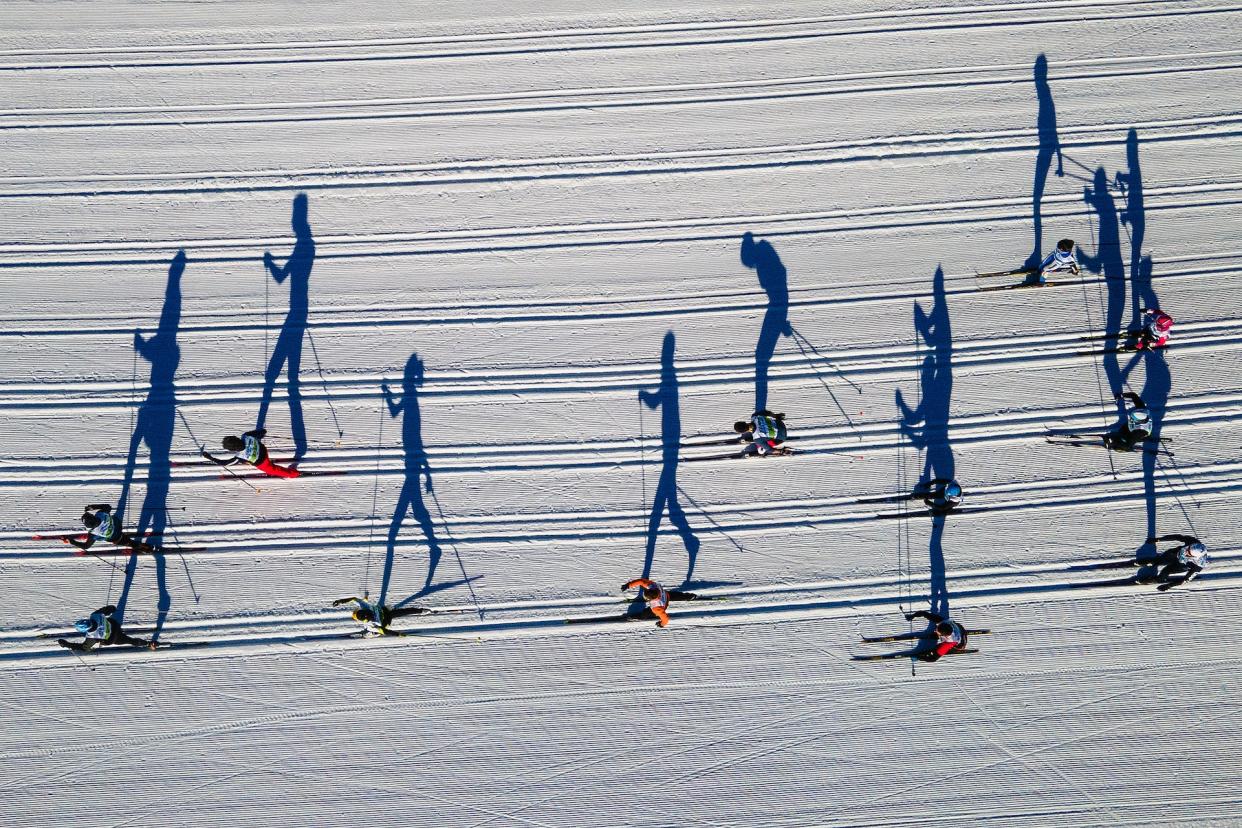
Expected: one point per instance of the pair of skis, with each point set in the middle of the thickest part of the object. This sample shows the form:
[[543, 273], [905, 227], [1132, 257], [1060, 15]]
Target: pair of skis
[[1097, 440], [783, 450], [910, 653], [627, 617], [114, 550]]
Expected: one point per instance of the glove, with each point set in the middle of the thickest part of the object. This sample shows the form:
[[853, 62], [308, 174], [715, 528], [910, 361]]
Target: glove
[[64, 643], [340, 601], [625, 587], [909, 616]]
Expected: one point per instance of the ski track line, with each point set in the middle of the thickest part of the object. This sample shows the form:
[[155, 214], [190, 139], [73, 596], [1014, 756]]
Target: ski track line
[[571, 385], [987, 17], [737, 93], [492, 241], [1192, 413], [594, 309], [674, 26], [496, 171], [877, 604], [293, 538]]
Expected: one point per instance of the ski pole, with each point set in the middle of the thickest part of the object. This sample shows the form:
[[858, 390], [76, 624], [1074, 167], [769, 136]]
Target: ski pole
[[241, 479]]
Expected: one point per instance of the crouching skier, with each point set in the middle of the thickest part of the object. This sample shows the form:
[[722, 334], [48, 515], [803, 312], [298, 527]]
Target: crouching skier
[[950, 636], [765, 433], [1190, 557], [249, 449], [1060, 259], [376, 617], [102, 630], [1157, 327], [101, 524], [657, 598]]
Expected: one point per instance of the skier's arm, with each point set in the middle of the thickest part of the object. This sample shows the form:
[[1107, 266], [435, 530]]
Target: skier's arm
[[82, 544], [99, 507], [107, 610], [340, 601], [228, 461], [930, 616], [258, 433], [1134, 398], [1184, 539], [637, 582], [390, 399], [661, 616]]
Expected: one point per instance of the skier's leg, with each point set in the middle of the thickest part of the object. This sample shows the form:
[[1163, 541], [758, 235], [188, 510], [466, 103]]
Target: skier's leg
[[272, 470], [404, 611], [678, 595], [297, 423]]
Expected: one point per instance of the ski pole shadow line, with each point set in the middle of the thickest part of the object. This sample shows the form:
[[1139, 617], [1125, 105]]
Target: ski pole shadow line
[[287, 352], [153, 427], [926, 425], [761, 257], [1049, 146], [666, 399]]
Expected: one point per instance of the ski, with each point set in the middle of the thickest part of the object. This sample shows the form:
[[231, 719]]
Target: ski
[[788, 452], [923, 512], [730, 441], [1015, 272], [119, 551], [907, 654], [275, 477], [1120, 335], [908, 636], [1021, 285], [1125, 349]]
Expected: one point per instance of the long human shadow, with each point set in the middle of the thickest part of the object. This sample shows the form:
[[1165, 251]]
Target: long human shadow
[[1108, 262], [287, 353], [1134, 215], [927, 424], [154, 426], [1157, 385], [761, 257], [1049, 145], [666, 399], [417, 470]]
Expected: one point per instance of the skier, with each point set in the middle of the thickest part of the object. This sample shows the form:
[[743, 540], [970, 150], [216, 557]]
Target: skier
[[941, 495], [1157, 325], [950, 636], [249, 449], [765, 432], [656, 598], [375, 617], [1190, 557], [102, 630], [101, 524], [1060, 259], [1135, 428]]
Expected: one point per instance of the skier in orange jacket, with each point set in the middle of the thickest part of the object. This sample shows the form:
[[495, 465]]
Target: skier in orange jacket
[[657, 597]]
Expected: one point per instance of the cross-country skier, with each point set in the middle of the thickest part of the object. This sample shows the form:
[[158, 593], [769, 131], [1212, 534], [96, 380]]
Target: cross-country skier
[[249, 449], [941, 495], [376, 618], [1060, 259], [101, 524], [1190, 557], [102, 630], [656, 597], [764, 431], [1157, 325], [950, 636], [1135, 427]]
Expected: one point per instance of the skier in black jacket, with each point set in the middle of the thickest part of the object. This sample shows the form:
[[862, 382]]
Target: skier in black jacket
[[102, 630], [1189, 557], [101, 524]]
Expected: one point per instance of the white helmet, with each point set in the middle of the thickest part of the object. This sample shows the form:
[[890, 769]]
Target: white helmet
[[1195, 553]]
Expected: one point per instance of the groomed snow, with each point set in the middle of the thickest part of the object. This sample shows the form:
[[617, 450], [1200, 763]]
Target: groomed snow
[[547, 206]]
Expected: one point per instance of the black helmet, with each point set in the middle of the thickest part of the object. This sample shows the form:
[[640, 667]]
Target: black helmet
[[651, 592], [90, 520], [1065, 245], [741, 426], [233, 443], [944, 628]]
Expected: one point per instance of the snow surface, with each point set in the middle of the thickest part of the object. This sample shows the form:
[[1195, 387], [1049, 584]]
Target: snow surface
[[530, 200]]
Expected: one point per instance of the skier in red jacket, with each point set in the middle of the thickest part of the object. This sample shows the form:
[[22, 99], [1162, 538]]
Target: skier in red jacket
[[657, 598], [249, 449]]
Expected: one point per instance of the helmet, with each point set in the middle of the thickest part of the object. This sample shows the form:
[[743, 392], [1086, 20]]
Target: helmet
[[90, 520], [944, 628], [84, 625], [1163, 323], [651, 592], [953, 491], [363, 615], [233, 443], [741, 426], [1065, 245], [1139, 418], [1195, 552]]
